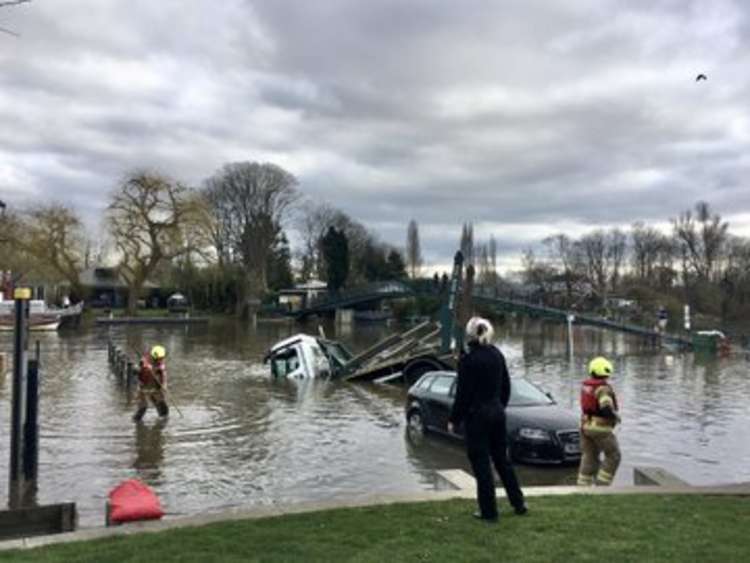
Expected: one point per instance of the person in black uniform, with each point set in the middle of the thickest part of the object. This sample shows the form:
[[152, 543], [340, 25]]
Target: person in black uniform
[[482, 393]]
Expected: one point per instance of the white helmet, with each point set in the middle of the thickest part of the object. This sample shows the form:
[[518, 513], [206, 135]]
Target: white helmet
[[479, 330]]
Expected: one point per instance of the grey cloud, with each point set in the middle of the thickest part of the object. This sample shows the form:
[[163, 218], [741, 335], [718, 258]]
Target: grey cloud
[[521, 116]]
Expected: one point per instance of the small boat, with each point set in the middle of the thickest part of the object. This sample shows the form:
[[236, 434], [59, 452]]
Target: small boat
[[41, 317]]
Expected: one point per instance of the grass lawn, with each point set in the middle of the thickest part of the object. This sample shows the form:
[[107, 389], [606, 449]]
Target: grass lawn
[[618, 528]]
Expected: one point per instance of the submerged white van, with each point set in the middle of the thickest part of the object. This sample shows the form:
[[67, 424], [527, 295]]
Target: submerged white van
[[307, 357]]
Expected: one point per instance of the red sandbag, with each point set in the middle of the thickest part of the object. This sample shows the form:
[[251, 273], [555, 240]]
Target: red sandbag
[[132, 500]]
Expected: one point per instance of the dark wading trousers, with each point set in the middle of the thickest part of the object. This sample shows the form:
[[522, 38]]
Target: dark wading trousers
[[485, 440]]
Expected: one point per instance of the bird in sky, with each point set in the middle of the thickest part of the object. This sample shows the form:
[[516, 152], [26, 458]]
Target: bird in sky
[[701, 77]]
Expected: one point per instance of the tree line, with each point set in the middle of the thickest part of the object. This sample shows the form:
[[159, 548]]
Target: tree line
[[697, 262], [227, 245], [224, 243]]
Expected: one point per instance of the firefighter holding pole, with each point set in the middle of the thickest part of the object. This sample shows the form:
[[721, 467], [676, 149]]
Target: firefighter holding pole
[[152, 383]]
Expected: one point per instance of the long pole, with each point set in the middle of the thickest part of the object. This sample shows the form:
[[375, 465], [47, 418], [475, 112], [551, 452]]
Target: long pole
[[448, 311]]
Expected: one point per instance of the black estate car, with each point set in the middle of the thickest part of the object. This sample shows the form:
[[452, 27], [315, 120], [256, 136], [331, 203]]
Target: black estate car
[[539, 431]]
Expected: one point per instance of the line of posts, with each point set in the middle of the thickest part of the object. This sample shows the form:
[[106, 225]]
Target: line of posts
[[121, 365]]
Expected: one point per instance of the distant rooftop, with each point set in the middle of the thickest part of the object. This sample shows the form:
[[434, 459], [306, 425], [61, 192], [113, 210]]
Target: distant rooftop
[[107, 278]]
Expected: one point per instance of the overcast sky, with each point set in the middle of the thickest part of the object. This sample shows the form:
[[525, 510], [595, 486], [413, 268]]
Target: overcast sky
[[527, 118]]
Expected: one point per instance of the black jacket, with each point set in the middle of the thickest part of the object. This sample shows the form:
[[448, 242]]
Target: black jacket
[[482, 379]]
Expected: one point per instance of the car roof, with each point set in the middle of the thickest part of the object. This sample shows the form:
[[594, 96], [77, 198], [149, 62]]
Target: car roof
[[451, 373], [432, 373], [306, 338]]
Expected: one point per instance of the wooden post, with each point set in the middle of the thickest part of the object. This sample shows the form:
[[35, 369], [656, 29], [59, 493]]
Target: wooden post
[[17, 484]]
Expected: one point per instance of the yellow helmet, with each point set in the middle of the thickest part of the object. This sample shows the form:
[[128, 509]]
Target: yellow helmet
[[158, 352], [600, 367]]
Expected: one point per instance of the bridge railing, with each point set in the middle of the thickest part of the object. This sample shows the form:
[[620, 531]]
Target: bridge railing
[[370, 291]]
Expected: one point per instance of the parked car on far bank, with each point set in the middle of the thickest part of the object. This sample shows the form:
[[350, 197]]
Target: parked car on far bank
[[539, 431]]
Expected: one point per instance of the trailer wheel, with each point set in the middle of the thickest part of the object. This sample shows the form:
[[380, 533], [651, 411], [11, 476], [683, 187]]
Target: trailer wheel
[[417, 368]]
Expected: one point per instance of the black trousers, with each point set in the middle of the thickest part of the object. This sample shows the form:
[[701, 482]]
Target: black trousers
[[485, 441]]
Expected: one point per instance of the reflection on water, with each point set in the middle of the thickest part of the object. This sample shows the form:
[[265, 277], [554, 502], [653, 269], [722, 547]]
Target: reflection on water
[[245, 439], [149, 447]]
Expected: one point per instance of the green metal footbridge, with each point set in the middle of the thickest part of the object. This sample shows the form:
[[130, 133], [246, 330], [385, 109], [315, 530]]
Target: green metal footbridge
[[510, 305], [358, 298]]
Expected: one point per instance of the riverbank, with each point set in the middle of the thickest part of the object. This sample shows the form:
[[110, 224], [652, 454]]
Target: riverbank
[[633, 527]]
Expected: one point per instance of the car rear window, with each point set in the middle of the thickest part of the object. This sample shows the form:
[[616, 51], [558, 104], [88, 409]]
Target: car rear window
[[442, 385]]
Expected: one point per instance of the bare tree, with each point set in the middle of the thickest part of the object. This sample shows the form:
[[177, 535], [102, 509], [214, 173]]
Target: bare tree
[[529, 266], [668, 251], [250, 202], [467, 243], [535, 271], [218, 221], [565, 253], [647, 242], [617, 242], [492, 251], [702, 237], [482, 259], [145, 219], [201, 236], [413, 249], [593, 248], [737, 264], [54, 237]]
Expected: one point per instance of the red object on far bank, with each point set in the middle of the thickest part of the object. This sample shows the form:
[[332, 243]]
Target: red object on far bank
[[131, 501]]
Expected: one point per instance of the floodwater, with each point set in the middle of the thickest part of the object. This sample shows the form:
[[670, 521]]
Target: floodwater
[[244, 439]]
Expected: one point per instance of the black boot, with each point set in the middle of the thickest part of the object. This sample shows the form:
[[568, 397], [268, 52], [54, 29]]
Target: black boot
[[163, 409], [488, 519], [139, 414]]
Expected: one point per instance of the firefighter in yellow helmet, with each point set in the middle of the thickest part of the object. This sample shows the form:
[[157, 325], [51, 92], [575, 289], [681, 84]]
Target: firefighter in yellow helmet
[[599, 416], [152, 383]]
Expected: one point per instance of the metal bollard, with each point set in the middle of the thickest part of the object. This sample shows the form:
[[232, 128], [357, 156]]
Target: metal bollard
[[118, 364]]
